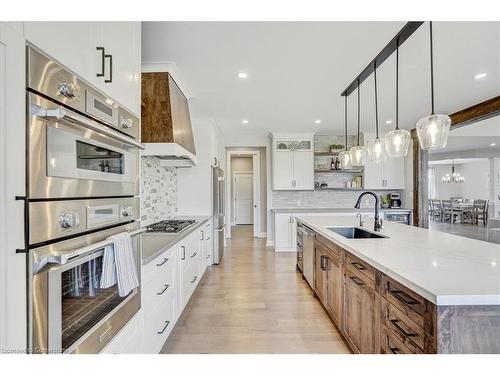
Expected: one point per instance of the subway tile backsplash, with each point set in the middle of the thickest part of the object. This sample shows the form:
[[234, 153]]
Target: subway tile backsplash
[[158, 191], [321, 199]]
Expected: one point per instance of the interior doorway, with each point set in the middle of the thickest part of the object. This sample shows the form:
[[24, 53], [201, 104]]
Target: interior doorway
[[243, 198]]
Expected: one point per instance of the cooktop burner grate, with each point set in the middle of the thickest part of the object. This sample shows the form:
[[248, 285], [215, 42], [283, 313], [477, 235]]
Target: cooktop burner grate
[[170, 226]]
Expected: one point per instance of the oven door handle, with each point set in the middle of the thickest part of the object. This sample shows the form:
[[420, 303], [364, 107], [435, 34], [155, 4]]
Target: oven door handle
[[63, 114]]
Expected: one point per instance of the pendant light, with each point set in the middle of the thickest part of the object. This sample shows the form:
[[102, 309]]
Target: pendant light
[[358, 153], [344, 156], [376, 148], [397, 141], [432, 130]]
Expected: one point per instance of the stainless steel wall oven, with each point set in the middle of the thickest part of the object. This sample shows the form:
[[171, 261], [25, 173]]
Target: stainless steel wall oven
[[83, 162]]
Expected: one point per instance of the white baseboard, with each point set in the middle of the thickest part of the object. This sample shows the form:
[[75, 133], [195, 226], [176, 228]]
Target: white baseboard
[[263, 235], [286, 250], [269, 242]]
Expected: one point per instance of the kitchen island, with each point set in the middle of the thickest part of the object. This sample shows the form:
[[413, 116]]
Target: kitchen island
[[411, 291]]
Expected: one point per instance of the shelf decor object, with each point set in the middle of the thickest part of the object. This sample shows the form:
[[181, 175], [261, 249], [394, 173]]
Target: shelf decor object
[[344, 156], [432, 130], [397, 141], [358, 153], [376, 148]]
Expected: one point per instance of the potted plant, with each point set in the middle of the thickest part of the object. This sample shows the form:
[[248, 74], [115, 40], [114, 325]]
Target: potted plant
[[385, 201]]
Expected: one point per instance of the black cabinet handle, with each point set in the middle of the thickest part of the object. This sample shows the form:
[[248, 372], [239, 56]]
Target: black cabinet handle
[[321, 262], [110, 57], [167, 322], [165, 260], [164, 290], [192, 281], [358, 266], [394, 350], [403, 297], [194, 254], [357, 280], [395, 323], [183, 248], [103, 52]]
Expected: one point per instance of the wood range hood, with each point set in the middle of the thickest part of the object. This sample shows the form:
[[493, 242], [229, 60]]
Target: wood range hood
[[165, 122]]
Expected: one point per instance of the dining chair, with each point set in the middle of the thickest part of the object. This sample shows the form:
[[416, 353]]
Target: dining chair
[[437, 209], [480, 211], [447, 211]]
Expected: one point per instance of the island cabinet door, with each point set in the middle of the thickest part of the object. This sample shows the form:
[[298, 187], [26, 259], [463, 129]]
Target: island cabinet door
[[320, 275], [359, 312], [335, 286]]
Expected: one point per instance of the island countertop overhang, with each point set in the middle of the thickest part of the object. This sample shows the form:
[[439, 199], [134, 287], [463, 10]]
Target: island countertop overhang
[[443, 268]]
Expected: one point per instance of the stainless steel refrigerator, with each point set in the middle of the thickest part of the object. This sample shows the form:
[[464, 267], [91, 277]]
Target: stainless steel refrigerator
[[218, 213]]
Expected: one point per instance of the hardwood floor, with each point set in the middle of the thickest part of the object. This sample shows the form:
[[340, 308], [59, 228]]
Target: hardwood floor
[[254, 302]]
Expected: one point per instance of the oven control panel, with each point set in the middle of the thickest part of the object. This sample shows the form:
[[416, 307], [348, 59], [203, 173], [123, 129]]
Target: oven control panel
[[69, 220]]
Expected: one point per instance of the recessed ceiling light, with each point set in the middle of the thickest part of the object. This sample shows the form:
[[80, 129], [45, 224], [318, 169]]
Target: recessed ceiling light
[[242, 75], [493, 144], [244, 121], [480, 75], [388, 122], [317, 121]]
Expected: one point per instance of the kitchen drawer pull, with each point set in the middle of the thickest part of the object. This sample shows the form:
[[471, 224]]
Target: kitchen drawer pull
[[192, 281], [202, 235], [194, 254], [164, 290], [104, 334], [167, 322], [208, 256], [357, 280], [101, 49], [165, 260], [394, 350], [321, 262], [358, 266], [110, 57], [403, 297], [183, 248], [395, 323]]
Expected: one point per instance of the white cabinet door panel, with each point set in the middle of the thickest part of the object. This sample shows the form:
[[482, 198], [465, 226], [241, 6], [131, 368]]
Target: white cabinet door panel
[[282, 170], [303, 170], [373, 174], [394, 173], [282, 231]]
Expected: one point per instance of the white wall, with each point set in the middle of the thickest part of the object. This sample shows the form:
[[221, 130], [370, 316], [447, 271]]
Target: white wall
[[475, 186]]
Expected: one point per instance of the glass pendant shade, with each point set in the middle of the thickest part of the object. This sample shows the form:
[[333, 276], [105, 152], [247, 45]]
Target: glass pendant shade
[[376, 150], [433, 131], [397, 142], [358, 155], [345, 160]]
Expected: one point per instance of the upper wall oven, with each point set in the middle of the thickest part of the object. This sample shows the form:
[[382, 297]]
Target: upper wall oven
[[80, 143]]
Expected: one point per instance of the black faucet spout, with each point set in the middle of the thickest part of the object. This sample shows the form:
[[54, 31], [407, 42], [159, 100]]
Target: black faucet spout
[[378, 221]]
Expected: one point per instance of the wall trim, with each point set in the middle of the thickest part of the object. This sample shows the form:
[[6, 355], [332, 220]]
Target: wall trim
[[263, 235]]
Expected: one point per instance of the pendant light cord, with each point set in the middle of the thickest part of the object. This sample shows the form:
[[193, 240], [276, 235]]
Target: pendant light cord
[[358, 111], [376, 97], [432, 68], [397, 84], [345, 116]]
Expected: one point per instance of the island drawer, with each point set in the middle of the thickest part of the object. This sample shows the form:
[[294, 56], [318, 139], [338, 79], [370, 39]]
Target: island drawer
[[391, 344], [357, 264], [401, 326], [162, 264], [410, 303], [329, 246]]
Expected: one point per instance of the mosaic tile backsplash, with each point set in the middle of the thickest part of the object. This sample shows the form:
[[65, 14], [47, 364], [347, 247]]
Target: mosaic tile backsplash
[[158, 191]]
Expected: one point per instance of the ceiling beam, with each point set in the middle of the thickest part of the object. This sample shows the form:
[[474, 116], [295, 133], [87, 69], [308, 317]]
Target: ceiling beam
[[387, 51], [477, 112]]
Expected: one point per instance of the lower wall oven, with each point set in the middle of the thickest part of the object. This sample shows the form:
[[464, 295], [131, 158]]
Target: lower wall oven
[[70, 312]]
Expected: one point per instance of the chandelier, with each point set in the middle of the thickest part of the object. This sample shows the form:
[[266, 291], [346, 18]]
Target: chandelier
[[455, 177]]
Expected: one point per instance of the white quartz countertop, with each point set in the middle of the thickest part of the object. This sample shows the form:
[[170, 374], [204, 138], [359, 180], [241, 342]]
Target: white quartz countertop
[[445, 269], [311, 210]]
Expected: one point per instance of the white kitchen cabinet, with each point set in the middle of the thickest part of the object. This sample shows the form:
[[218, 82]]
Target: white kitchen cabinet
[[190, 268], [12, 183], [206, 246], [293, 161], [74, 44], [285, 232], [388, 174]]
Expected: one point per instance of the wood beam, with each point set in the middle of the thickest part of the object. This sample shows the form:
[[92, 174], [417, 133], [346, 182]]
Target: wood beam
[[477, 112]]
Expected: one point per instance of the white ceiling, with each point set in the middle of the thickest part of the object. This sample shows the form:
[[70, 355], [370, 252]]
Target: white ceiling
[[296, 71]]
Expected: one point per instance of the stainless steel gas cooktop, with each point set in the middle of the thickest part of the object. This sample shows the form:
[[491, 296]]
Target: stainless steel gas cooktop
[[170, 226]]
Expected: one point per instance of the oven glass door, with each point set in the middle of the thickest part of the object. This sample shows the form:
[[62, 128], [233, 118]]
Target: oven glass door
[[80, 301]]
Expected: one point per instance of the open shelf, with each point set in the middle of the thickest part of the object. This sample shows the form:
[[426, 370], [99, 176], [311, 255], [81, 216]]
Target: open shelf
[[330, 154], [359, 171], [341, 189]]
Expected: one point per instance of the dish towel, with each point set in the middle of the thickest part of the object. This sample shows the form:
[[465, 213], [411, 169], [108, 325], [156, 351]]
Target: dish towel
[[119, 265]]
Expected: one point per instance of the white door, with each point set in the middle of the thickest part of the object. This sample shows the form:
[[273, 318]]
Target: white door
[[283, 170], [243, 198], [303, 170]]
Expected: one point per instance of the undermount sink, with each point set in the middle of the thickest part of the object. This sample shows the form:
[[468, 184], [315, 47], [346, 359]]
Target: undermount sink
[[354, 232]]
